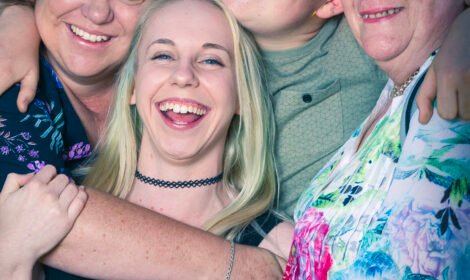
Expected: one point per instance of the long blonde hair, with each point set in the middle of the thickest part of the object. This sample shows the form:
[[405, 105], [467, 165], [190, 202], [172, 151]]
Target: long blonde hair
[[248, 156]]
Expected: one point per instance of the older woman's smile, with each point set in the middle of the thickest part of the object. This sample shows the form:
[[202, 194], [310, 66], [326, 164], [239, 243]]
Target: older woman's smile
[[87, 36], [378, 14]]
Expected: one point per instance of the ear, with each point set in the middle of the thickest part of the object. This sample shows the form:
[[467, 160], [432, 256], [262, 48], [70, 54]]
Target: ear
[[330, 9], [132, 101]]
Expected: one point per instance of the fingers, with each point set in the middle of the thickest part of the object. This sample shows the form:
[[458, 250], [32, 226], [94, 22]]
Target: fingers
[[73, 198], [14, 181], [68, 194], [426, 96], [46, 174], [28, 89], [59, 184], [464, 98], [447, 105], [70, 197], [77, 204]]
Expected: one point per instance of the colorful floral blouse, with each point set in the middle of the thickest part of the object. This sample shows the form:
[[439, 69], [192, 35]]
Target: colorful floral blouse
[[50, 132], [389, 211]]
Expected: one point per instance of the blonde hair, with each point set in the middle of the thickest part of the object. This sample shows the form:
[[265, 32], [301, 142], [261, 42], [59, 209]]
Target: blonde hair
[[248, 157]]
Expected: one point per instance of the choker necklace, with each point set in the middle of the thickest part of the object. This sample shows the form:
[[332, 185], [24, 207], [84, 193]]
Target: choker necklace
[[178, 184], [399, 90]]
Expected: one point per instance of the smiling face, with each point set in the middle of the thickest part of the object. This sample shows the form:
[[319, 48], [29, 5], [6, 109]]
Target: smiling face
[[397, 33], [185, 84], [87, 39]]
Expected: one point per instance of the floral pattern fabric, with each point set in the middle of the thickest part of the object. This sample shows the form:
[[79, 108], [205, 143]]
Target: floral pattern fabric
[[387, 210], [50, 132]]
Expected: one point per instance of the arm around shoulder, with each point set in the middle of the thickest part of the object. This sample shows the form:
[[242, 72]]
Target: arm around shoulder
[[449, 76], [19, 61], [115, 239]]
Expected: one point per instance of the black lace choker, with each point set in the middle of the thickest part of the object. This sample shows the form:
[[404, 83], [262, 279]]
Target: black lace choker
[[178, 184]]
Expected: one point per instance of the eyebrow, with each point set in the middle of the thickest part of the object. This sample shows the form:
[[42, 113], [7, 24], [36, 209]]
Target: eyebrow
[[171, 43], [214, 46], [161, 41]]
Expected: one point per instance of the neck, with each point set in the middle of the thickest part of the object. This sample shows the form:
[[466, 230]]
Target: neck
[[400, 72], [190, 205], [91, 102], [399, 68], [290, 38], [91, 105], [90, 96]]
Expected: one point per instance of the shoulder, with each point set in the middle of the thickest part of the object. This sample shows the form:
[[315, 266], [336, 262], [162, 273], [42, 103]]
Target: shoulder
[[442, 144]]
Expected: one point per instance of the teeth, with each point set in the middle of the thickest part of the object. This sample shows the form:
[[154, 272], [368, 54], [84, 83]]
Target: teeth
[[87, 36], [381, 14], [182, 109]]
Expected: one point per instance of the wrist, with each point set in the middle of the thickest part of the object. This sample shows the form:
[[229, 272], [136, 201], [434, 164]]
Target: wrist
[[12, 264], [15, 270]]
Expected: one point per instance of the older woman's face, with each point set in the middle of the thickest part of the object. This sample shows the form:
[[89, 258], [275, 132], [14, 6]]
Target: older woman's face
[[388, 29], [87, 38]]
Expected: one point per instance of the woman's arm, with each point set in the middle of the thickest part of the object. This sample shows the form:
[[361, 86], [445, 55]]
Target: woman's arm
[[449, 77], [115, 239], [19, 50]]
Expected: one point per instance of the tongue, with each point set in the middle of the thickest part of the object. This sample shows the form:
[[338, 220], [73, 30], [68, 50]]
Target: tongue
[[182, 118]]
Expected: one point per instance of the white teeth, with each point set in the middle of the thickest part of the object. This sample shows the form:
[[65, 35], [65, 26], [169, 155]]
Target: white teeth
[[182, 109], [87, 36], [381, 14]]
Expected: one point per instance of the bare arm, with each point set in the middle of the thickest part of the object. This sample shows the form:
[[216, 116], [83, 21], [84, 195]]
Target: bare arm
[[449, 77], [118, 240], [19, 50]]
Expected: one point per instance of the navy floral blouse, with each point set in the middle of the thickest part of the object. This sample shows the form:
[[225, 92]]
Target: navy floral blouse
[[50, 132]]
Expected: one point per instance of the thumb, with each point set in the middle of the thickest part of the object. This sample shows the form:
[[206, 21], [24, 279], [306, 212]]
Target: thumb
[[15, 181], [426, 96], [27, 90]]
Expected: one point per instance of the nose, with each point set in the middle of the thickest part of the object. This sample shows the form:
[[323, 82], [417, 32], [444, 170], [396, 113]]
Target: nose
[[98, 11], [184, 75]]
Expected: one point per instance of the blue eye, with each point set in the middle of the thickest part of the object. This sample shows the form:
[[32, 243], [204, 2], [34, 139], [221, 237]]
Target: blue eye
[[161, 57], [212, 61]]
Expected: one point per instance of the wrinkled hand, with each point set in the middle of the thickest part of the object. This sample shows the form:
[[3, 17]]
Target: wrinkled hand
[[19, 49], [449, 76], [36, 217]]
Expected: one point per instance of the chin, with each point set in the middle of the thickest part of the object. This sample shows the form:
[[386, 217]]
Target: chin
[[383, 49]]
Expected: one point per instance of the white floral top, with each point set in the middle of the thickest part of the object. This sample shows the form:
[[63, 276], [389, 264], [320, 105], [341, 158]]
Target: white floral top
[[387, 211]]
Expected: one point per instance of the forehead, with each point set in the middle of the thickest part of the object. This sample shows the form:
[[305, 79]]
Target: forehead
[[189, 21]]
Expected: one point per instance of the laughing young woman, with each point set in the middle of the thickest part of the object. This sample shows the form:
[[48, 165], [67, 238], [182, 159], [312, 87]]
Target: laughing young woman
[[191, 93]]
